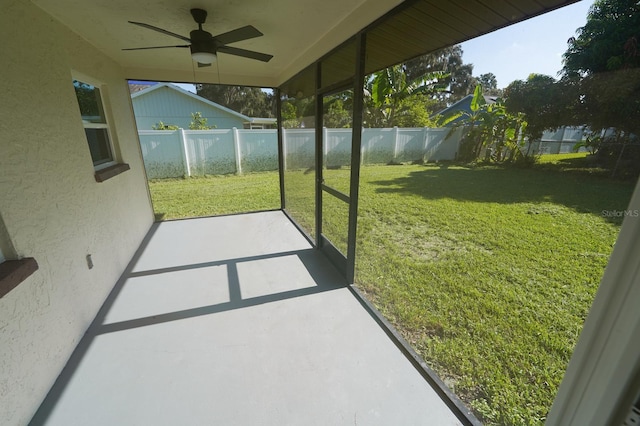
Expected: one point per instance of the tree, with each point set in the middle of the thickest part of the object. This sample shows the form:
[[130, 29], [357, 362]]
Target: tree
[[392, 92], [298, 112], [335, 114], [492, 127], [250, 101], [289, 115], [610, 99], [598, 88], [489, 84], [542, 100], [87, 99], [607, 42], [161, 126], [457, 77], [488, 81], [416, 112], [462, 83], [603, 65], [198, 122]]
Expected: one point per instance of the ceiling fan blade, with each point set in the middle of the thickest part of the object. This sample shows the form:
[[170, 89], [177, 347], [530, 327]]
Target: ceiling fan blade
[[238, 34], [201, 65], [245, 53], [155, 47], [160, 30]]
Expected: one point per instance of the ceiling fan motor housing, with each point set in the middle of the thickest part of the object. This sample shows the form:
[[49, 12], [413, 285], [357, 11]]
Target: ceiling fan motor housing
[[202, 41]]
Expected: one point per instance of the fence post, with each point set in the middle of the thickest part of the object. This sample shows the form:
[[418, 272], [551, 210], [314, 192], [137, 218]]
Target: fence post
[[325, 145], [425, 138], [364, 144], [185, 152], [284, 148], [236, 144], [395, 143]]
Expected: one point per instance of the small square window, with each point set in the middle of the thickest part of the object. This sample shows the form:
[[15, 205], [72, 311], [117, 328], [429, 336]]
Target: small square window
[[95, 123]]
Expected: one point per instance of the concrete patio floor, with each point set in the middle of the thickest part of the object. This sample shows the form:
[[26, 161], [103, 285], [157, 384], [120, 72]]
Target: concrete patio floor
[[237, 320]]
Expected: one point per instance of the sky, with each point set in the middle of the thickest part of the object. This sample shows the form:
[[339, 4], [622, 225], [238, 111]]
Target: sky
[[532, 46], [188, 87]]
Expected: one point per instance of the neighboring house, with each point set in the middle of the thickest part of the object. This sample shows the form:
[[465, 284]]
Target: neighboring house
[[260, 123], [463, 106], [171, 104]]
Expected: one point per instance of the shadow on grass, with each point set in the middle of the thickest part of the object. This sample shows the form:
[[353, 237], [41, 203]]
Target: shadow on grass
[[503, 185]]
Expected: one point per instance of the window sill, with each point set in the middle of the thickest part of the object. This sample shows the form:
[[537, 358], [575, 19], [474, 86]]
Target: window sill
[[111, 171], [13, 272]]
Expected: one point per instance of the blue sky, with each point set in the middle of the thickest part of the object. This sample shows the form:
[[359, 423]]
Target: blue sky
[[532, 46]]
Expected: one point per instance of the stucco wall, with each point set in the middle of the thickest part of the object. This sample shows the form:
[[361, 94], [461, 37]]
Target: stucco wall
[[172, 107], [52, 207]]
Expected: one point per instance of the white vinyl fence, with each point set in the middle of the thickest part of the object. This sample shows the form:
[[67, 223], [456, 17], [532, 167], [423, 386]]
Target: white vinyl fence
[[181, 152], [222, 151], [559, 141]]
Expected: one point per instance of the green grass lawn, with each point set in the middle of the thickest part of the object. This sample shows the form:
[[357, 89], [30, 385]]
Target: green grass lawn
[[214, 195], [488, 272]]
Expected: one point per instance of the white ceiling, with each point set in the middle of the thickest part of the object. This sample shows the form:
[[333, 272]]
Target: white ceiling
[[296, 32]]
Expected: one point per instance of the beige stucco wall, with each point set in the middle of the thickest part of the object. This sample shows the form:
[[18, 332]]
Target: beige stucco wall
[[51, 205]]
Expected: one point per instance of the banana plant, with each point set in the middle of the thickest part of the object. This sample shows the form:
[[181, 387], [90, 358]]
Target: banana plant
[[390, 88], [491, 127]]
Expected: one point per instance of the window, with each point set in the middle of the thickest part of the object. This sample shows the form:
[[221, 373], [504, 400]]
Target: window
[[96, 127], [95, 123]]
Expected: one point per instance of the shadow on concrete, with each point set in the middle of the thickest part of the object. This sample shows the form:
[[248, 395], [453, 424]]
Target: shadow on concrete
[[323, 274]]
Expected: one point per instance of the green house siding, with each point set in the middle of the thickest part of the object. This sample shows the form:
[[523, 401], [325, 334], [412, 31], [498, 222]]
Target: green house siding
[[173, 107]]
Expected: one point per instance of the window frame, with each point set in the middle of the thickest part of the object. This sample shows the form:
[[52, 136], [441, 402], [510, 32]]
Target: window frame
[[104, 169], [103, 122], [101, 164]]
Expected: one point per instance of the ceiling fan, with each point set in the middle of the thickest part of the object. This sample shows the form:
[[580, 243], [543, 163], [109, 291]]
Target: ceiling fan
[[204, 46]]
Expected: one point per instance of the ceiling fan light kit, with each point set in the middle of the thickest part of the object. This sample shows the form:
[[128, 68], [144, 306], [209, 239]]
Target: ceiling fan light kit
[[205, 47], [203, 57]]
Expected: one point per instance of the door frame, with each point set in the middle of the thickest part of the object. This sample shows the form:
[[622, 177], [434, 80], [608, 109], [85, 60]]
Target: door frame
[[344, 262]]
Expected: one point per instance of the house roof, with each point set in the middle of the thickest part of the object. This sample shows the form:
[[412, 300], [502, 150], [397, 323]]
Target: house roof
[[463, 105], [183, 92], [296, 32], [262, 120]]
